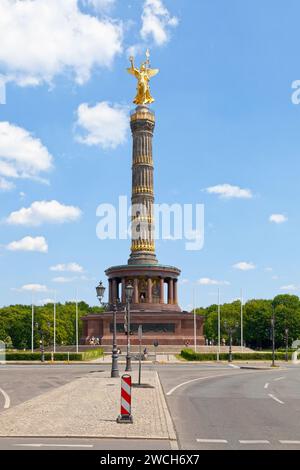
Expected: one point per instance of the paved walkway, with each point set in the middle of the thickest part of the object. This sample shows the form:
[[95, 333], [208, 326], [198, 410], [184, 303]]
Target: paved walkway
[[88, 407]]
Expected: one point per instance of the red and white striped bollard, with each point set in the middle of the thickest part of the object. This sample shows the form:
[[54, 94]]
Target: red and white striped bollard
[[125, 416]]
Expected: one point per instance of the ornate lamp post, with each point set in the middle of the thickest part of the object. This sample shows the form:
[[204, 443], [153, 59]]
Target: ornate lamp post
[[129, 294], [230, 330], [100, 290]]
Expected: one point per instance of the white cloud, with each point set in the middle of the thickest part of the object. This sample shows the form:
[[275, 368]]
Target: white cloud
[[268, 269], [244, 266], [44, 212], [156, 22], [6, 185], [46, 301], [100, 5], [227, 191], [278, 218], [104, 125], [205, 281], [63, 280], [21, 155], [38, 244], [69, 267], [34, 288], [290, 287], [59, 38]]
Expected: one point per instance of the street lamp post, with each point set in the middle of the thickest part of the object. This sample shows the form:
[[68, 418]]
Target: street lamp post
[[100, 289], [230, 330], [286, 344], [128, 294], [42, 344], [273, 336]]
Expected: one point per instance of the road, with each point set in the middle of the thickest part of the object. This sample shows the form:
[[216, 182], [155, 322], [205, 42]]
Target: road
[[212, 406], [235, 409]]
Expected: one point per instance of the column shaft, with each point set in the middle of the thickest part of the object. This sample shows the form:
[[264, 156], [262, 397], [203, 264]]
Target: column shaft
[[162, 291], [136, 291], [170, 292], [123, 290], [175, 292], [110, 294], [150, 291], [114, 290]]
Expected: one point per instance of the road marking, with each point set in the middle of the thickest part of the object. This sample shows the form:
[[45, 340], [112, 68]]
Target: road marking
[[290, 442], [276, 399], [195, 380], [266, 385], [6, 398], [55, 445], [254, 442], [279, 378], [212, 441], [234, 366]]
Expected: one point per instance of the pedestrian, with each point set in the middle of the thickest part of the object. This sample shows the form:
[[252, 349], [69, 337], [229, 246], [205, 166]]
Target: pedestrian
[[145, 356]]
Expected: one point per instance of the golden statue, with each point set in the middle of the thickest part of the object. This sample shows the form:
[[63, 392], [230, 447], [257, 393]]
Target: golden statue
[[143, 76]]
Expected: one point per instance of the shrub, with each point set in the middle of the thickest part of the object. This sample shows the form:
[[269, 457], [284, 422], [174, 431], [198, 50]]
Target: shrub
[[60, 356], [190, 355]]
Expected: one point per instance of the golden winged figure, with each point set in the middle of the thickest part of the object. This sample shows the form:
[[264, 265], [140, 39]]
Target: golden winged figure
[[143, 76]]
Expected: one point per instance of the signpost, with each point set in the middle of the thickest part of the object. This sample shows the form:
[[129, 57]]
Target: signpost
[[155, 344], [140, 336]]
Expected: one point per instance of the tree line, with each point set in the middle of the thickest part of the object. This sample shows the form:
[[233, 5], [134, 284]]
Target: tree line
[[15, 322], [257, 315]]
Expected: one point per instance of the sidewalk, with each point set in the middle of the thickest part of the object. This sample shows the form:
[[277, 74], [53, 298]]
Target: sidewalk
[[88, 408]]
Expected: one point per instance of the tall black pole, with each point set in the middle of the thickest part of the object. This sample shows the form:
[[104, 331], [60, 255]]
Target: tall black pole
[[114, 364], [128, 356]]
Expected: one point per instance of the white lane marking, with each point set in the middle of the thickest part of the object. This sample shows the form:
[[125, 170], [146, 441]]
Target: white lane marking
[[290, 442], [279, 378], [195, 380], [55, 445], [6, 398], [276, 399], [266, 385], [212, 441], [234, 366], [254, 442]]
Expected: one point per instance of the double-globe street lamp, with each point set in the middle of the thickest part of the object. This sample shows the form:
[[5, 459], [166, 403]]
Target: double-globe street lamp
[[230, 330], [115, 307]]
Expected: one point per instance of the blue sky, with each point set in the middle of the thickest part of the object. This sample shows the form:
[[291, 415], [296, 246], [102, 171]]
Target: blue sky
[[224, 117]]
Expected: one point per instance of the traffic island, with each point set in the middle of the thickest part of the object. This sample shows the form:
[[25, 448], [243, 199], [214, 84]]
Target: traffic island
[[88, 408]]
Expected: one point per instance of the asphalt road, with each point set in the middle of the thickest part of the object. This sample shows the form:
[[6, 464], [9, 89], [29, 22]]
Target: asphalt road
[[212, 406], [23, 382], [235, 409]]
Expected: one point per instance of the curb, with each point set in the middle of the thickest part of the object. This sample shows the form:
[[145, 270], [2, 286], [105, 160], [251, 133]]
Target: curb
[[168, 418]]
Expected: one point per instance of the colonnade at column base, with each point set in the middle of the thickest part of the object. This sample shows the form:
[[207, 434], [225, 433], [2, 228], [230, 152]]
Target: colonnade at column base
[[155, 286]]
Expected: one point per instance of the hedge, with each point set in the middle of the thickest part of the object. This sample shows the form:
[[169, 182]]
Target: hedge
[[60, 356], [190, 355]]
